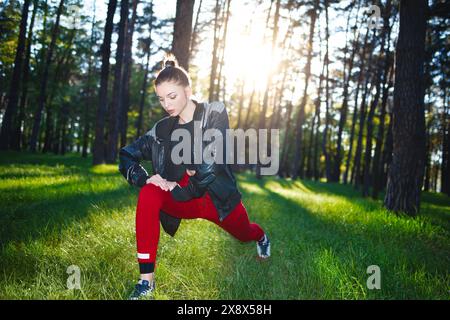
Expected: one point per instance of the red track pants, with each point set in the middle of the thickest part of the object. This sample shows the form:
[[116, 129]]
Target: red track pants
[[152, 199]]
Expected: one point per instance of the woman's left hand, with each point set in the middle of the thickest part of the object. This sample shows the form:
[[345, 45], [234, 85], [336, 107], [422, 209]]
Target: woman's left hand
[[171, 184]]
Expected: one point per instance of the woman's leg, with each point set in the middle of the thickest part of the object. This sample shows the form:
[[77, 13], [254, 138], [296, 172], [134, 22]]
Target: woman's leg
[[151, 200], [236, 223]]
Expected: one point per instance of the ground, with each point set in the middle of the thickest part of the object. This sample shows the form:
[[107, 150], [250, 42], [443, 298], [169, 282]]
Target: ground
[[59, 211]]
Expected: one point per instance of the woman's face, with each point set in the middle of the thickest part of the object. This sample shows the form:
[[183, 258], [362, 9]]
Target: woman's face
[[173, 97]]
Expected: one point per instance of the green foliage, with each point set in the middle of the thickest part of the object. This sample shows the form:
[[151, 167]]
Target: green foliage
[[59, 211]]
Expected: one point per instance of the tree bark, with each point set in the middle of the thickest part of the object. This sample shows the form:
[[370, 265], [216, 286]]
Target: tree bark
[[222, 53], [301, 113], [145, 80], [377, 171], [116, 103], [99, 141], [7, 130], [344, 108], [194, 37], [44, 81], [18, 141], [405, 176], [327, 98], [182, 32], [128, 62], [356, 175], [212, 79], [89, 99]]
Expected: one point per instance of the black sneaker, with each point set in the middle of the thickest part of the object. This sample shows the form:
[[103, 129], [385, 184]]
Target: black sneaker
[[263, 247], [142, 288]]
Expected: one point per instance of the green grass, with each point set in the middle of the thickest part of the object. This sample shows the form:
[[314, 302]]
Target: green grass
[[59, 211]]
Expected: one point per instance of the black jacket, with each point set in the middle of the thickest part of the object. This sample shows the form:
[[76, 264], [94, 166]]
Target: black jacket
[[216, 177]]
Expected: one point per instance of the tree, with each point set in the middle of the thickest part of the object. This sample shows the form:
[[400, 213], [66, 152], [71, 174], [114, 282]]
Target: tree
[[382, 70], [116, 102], [301, 111], [99, 141], [7, 129], [182, 32], [148, 11], [44, 81], [407, 169], [262, 115], [123, 120], [345, 96], [214, 62], [19, 139]]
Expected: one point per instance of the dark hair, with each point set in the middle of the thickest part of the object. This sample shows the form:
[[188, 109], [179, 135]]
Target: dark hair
[[172, 72]]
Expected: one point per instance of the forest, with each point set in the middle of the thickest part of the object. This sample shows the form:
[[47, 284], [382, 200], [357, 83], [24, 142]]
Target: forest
[[358, 91], [329, 74]]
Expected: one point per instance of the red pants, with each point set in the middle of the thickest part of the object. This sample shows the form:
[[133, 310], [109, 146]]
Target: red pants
[[152, 199]]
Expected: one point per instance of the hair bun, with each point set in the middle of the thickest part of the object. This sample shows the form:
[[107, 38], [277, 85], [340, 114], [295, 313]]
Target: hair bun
[[169, 63]]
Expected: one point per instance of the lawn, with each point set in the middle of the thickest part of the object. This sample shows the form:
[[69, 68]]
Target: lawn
[[59, 211]]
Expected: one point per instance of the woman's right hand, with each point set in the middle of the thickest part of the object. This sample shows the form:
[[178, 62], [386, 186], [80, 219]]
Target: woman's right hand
[[159, 181]]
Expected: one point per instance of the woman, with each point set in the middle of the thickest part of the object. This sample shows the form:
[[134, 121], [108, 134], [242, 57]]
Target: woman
[[186, 190]]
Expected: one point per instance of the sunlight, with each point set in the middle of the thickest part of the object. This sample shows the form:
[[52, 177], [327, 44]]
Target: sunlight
[[248, 56], [249, 60]]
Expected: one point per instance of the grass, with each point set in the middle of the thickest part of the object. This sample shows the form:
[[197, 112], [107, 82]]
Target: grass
[[59, 211]]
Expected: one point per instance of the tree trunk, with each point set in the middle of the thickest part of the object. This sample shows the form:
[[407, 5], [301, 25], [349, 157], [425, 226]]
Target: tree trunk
[[445, 167], [194, 37], [377, 171], [145, 80], [382, 61], [89, 102], [182, 32], [405, 176], [344, 108], [116, 103], [44, 80], [19, 138], [327, 104], [7, 130], [61, 65], [301, 113], [125, 106], [262, 115], [356, 176], [222, 53], [311, 167], [249, 109], [99, 142], [212, 79]]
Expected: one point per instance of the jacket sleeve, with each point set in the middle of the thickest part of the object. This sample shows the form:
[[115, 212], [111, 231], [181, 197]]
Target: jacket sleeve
[[206, 172], [130, 157]]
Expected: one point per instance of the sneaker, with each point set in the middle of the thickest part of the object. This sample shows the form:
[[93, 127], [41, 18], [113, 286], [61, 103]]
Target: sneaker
[[142, 288], [263, 247]]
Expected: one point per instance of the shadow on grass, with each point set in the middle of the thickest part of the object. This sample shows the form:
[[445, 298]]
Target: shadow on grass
[[36, 217], [31, 211], [301, 238]]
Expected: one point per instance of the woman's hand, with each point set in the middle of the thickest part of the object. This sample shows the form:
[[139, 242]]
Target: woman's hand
[[190, 172], [159, 181], [171, 185]]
